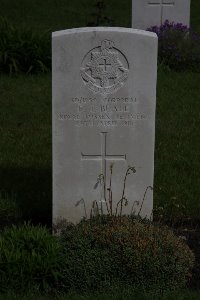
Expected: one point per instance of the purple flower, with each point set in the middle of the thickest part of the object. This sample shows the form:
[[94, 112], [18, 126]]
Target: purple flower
[[179, 46]]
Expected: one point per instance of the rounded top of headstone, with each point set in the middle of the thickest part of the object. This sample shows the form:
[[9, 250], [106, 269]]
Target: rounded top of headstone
[[103, 29]]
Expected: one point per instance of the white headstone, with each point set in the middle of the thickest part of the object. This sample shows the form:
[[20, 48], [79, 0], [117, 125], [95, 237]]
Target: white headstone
[[147, 13], [104, 99]]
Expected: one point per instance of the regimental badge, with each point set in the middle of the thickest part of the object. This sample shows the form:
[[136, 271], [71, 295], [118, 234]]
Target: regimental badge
[[104, 69]]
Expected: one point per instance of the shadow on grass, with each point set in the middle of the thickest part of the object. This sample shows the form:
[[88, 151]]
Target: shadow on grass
[[32, 189]]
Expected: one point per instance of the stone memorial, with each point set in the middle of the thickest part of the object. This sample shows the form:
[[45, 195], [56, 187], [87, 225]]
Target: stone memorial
[[104, 99], [147, 13]]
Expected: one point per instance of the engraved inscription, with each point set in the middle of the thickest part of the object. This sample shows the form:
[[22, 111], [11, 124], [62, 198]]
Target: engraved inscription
[[85, 100], [104, 69], [103, 157], [110, 112]]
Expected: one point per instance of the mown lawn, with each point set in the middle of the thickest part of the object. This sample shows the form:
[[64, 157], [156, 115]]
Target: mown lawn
[[62, 14], [178, 295], [177, 154], [25, 144]]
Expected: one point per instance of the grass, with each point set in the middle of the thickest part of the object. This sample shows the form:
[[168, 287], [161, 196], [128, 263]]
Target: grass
[[177, 163], [25, 144], [195, 17], [180, 295], [62, 14]]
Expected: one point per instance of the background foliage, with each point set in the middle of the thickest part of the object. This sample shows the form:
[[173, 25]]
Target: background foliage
[[23, 50]]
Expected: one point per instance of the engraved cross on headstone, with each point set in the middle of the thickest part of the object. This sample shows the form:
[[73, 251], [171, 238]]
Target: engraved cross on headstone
[[103, 157], [104, 65], [163, 4]]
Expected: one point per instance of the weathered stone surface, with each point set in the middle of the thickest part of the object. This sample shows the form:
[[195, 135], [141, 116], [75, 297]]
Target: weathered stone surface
[[104, 98], [147, 13]]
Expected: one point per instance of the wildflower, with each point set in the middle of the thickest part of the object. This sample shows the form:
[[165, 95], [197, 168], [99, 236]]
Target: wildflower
[[178, 46]]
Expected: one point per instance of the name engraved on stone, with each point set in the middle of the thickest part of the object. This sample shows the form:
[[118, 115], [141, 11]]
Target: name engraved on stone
[[104, 69], [103, 157], [112, 111], [104, 108], [161, 3]]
